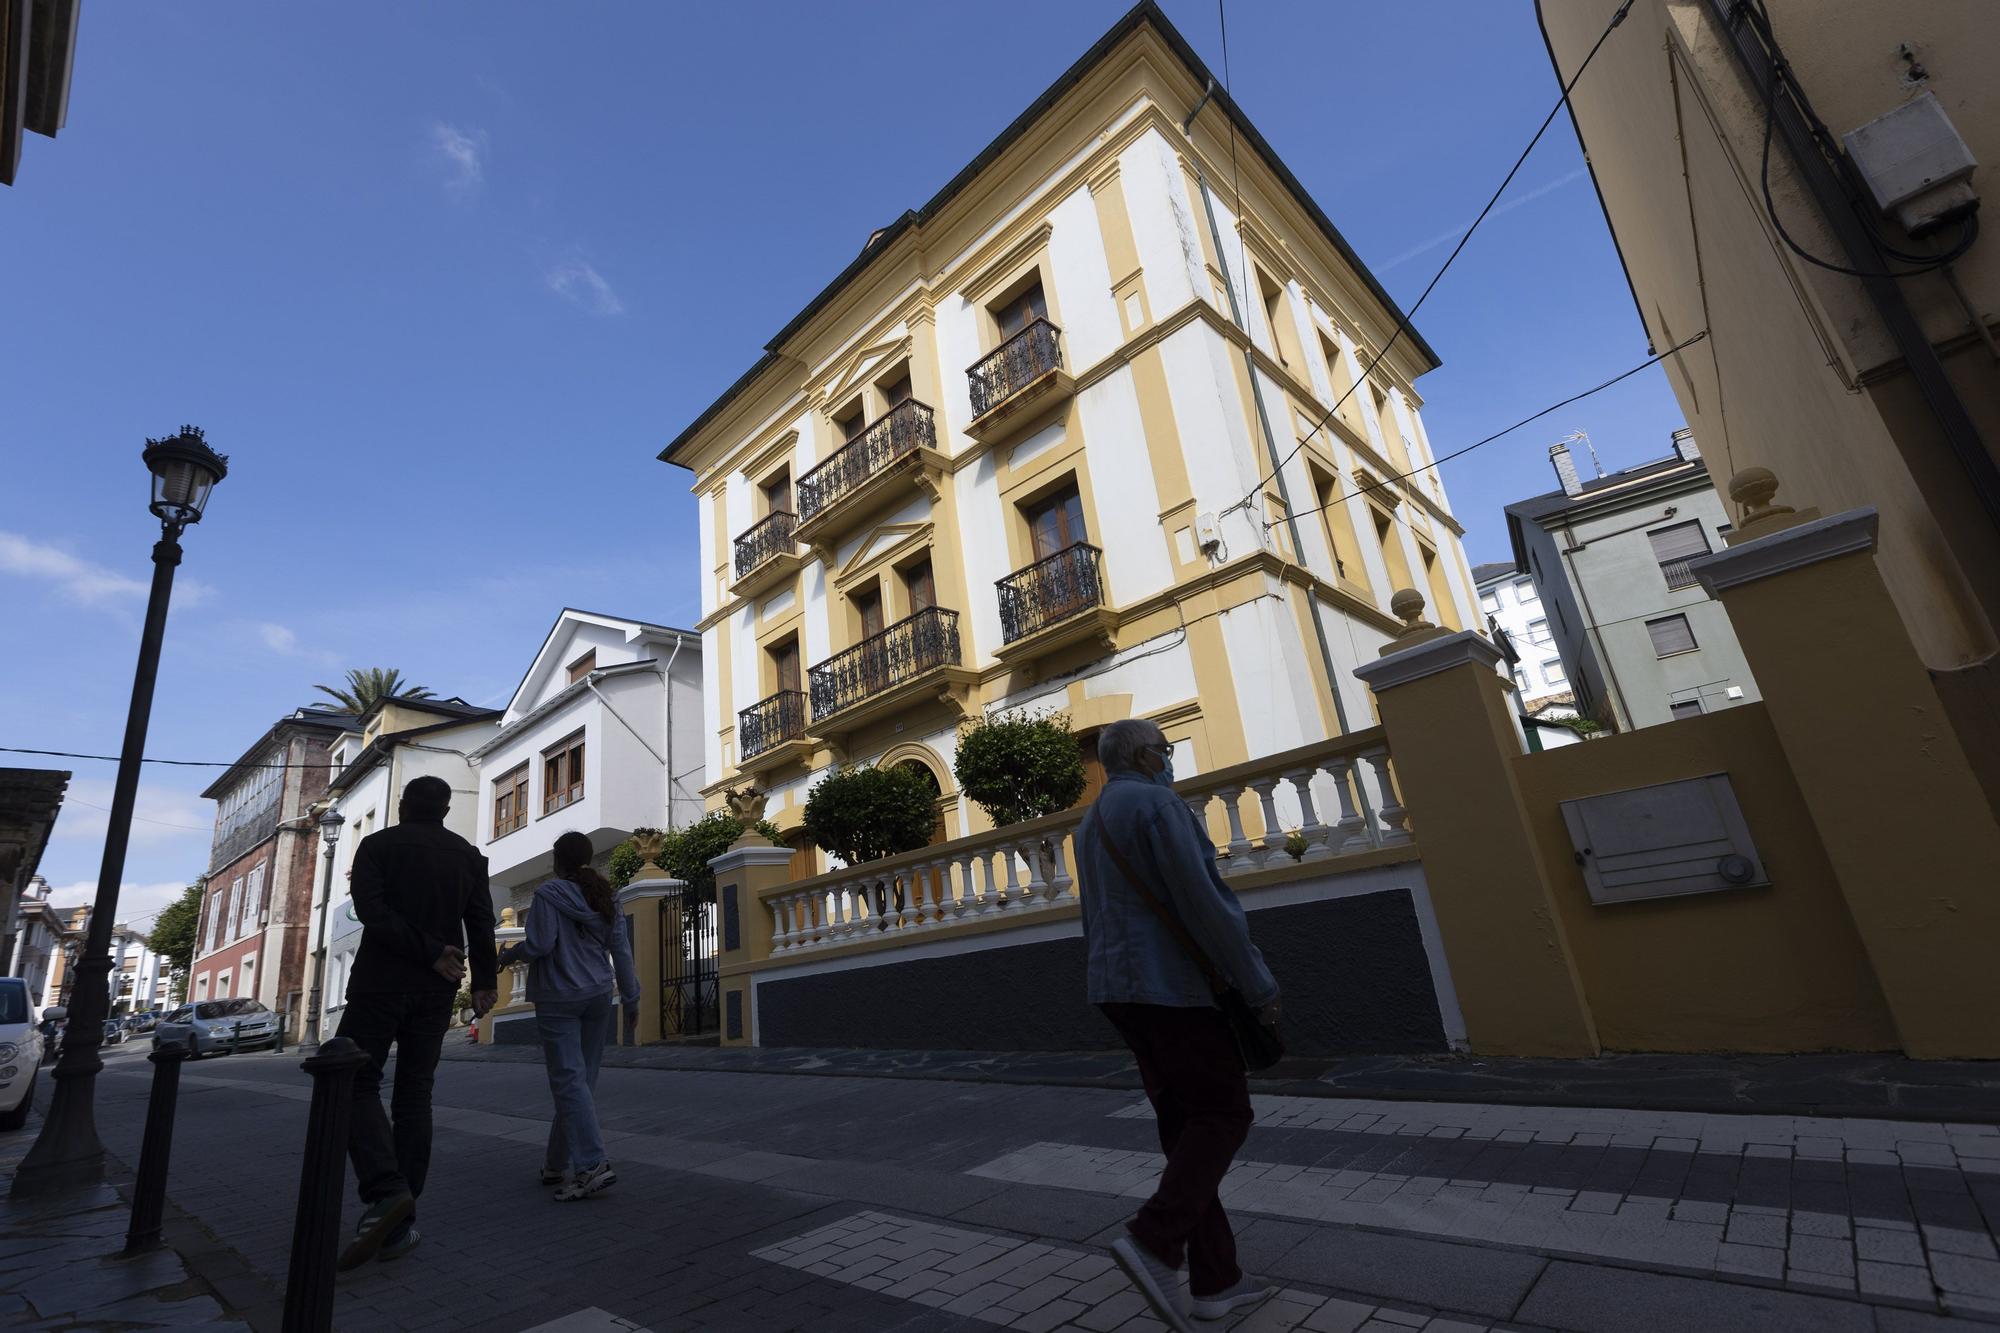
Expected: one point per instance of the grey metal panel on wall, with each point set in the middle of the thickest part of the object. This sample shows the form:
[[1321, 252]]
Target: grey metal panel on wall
[[1355, 976], [1663, 841]]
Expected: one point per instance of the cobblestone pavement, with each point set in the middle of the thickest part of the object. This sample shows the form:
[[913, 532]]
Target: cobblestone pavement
[[760, 1201]]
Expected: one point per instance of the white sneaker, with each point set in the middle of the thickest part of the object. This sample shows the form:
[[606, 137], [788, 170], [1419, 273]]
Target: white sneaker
[[586, 1183], [1247, 1292], [1159, 1284]]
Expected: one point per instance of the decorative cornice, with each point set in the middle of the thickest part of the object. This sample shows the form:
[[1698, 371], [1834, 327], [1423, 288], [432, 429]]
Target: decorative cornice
[[1428, 659], [1792, 548], [1000, 268], [739, 857]]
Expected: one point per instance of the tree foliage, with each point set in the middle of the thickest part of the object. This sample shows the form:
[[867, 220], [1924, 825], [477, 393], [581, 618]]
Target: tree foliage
[[688, 852], [865, 814], [367, 686], [173, 931], [1020, 767]]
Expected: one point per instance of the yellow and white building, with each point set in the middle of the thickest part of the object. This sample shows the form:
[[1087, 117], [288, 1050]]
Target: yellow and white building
[[1024, 452]]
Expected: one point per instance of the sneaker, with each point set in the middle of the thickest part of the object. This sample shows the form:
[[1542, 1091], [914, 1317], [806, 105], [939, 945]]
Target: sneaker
[[1158, 1283], [552, 1177], [1222, 1304], [400, 1244], [379, 1221], [586, 1183]]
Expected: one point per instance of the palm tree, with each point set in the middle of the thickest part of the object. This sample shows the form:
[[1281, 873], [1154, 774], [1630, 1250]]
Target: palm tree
[[368, 686]]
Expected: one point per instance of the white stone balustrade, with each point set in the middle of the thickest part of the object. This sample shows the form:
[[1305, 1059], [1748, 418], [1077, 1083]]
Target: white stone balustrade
[[1336, 797]]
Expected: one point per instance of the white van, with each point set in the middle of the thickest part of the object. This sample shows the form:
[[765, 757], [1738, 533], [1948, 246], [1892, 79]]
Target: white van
[[20, 1052]]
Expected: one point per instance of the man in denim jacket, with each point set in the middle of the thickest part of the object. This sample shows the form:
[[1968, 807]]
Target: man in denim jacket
[[1160, 1002]]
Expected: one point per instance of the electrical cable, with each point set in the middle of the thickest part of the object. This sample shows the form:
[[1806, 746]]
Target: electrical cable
[[1403, 325], [1653, 360], [1760, 23], [177, 763]]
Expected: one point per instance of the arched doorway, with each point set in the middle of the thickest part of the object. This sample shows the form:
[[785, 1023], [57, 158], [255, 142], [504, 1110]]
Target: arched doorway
[[939, 833]]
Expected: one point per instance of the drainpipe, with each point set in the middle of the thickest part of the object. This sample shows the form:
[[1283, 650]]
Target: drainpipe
[[1263, 417]]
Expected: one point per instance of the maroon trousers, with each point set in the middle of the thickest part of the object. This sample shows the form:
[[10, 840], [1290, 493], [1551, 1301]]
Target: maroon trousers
[[1201, 1099]]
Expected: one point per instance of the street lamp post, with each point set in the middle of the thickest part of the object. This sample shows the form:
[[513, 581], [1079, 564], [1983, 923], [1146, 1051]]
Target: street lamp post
[[329, 831], [184, 471]]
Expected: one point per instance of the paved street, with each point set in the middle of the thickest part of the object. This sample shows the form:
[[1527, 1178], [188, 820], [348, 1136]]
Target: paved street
[[770, 1201]]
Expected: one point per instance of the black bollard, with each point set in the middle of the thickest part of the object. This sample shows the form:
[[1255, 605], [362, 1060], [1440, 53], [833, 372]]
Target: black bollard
[[316, 1230], [149, 1196], [236, 1036]]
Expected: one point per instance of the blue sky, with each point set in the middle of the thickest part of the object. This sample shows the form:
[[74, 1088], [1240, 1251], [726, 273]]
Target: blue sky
[[443, 278]]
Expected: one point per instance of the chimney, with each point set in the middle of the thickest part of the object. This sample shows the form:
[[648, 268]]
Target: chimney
[[1685, 447], [1565, 469]]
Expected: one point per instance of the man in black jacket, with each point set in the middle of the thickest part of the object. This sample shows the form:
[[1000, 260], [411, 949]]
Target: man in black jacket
[[421, 895]]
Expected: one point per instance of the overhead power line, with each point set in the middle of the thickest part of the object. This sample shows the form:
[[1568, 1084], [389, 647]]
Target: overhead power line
[[1403, 325], [1653, 360], [177, 763]]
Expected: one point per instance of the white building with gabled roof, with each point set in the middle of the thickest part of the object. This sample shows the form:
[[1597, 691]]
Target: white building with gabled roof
[[603, 735]]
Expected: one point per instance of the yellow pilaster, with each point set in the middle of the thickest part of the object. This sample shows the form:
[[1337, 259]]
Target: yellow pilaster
[[641, 904], [752, 866], [1445, 711], [1906, 825]]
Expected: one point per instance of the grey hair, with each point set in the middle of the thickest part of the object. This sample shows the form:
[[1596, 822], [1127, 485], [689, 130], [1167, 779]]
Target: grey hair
[[1119, 744]]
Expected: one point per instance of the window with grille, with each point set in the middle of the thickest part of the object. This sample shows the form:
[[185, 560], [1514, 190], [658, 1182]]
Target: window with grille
[[1685, 708], [510, 801], [1674, 547], [1670, 635], [562, 774]]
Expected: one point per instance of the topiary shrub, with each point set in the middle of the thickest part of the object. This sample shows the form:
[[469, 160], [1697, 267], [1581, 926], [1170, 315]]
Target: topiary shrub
[[1020, 767], [865, 814], [687, 852]]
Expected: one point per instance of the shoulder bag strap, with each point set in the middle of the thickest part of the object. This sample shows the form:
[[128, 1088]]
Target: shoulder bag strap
[[1167, 918]]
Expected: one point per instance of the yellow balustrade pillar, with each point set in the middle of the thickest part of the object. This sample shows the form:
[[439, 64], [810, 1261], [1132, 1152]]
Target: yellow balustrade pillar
[[1905, 822], [651, 892], [751, 867], [1452, 744], [512, 1007]]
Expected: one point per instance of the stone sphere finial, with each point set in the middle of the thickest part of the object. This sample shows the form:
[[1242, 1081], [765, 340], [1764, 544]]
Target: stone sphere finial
[[1754, 488], [1407, 605]]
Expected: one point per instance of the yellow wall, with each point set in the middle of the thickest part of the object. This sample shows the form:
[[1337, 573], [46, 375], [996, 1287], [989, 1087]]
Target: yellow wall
[[1763, 969]]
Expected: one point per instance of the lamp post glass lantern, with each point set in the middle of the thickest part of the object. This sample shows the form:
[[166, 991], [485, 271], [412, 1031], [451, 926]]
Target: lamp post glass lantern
[[329, 832], [184, 471]]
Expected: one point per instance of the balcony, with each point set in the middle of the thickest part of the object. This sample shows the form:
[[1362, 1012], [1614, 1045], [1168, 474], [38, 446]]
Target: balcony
[[889, 672], [892, 459], [766, 555], [1054, 603], [1678, 573], [1014, 383], [772, 732]]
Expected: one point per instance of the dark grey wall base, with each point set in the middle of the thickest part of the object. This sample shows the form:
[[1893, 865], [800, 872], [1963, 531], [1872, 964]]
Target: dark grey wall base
[[1354, 973], [515, 1031]]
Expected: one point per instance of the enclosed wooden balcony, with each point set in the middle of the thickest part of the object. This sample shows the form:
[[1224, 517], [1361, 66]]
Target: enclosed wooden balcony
[[1017, 382], [893, 458], [772, 732], [767, 555], [889, 672], [1054, 603]]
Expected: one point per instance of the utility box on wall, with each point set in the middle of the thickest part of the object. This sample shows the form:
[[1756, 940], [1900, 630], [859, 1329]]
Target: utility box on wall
[[1663, 841]]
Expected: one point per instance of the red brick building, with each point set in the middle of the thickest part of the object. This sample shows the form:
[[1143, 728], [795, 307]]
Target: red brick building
[[256, 909]]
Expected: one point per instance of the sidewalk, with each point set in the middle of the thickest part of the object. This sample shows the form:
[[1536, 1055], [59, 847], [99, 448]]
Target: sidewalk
[[1881, 1086], [60, 1266]]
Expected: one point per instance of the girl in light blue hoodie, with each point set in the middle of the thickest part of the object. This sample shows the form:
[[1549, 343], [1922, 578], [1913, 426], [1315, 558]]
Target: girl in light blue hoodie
[[577, 949]]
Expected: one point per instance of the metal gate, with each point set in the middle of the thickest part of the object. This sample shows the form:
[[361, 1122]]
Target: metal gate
[[689, 990]]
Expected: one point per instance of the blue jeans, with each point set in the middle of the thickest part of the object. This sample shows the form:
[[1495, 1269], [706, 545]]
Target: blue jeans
[[573, 1033]]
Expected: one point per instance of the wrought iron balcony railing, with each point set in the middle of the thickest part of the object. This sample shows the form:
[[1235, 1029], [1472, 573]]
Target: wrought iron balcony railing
[[906, 427], [1678, 574], [771, 722], [770, 536], [1051, 590], [905, 650], [1013, 365]]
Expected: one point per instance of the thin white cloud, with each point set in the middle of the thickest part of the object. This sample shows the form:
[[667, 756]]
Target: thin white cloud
[[462, 155], [576, 281], [76, 579], [284, 641], [84, 582], [160, 816], [1506, 207], [138, 904]]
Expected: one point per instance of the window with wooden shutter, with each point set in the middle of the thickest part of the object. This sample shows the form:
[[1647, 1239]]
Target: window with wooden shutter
[[510, 801], [583, 666], [1670, 635], [1674, 547], [562, 774], [920, 586]]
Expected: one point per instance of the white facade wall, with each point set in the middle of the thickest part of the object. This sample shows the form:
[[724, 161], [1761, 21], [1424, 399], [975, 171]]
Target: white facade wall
[[1511, 599]]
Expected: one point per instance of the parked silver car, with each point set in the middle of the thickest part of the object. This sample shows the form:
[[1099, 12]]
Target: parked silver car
[[212, 1027]]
